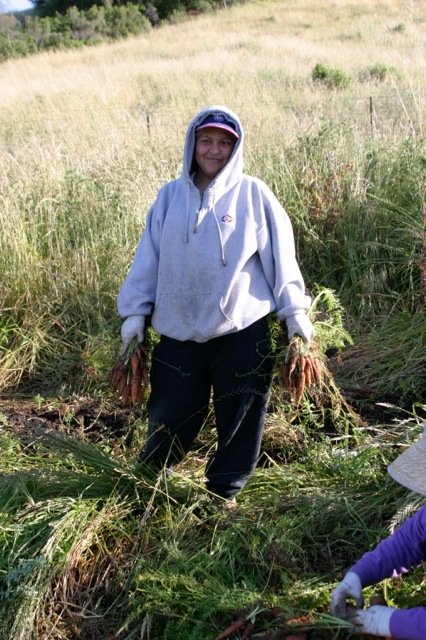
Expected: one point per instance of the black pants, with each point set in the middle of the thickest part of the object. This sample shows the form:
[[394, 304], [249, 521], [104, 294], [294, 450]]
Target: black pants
[[238, 367]]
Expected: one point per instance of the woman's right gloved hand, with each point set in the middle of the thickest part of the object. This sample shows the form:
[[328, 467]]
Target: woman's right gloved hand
[[132, 327], [349, 588]]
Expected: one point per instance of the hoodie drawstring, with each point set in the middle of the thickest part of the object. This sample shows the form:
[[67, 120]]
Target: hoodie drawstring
[[187, 214], [197, 213], [197, 216], [222, 248]]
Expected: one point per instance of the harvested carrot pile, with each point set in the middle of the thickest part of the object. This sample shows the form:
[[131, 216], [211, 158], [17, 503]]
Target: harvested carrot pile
[[243, 626], [301, 370], [130, 374]]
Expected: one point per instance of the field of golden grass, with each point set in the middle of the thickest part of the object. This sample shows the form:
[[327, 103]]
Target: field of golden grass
[[257, 58]]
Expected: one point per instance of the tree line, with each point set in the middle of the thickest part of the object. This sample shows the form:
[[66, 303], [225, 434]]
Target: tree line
[[63, 24]]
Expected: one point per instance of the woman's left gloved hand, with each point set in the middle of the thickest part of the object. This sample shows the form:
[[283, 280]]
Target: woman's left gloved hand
[[300, 324], [374, 621]]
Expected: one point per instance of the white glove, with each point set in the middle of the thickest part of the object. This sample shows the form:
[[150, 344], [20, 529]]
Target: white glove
[[374, 621], [132, 327], [349, 588], [301, 325]]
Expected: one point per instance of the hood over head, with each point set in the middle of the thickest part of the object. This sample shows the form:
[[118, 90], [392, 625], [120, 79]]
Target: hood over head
[[223, 118]]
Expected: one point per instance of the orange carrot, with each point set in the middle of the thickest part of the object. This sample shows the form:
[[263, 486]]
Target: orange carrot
[[308, 372], [285, 372], [140, 394], [117, 371], [142, 351], [145, 375], [122, 382], [293, 357], [135, 386], [248, 631], [310, 361], [143, 366], [317, 371], [300, 387], [125, 393], [238, 624], [134, 363]]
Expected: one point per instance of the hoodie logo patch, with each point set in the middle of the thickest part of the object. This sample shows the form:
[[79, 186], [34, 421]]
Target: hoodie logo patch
[[227, 218]]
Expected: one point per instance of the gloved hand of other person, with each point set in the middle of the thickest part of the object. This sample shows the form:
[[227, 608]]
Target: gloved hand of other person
[[374, 621], [349, 588], [300, 324], [132, 327]]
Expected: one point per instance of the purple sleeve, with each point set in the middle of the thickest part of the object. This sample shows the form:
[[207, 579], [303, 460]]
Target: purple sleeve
[[394, 555], [408, 624]]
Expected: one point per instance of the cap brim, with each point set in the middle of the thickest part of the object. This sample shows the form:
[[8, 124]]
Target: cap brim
[[409, 469], [214, 125]]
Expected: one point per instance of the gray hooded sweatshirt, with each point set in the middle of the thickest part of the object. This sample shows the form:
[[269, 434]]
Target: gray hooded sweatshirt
[[213, 263]]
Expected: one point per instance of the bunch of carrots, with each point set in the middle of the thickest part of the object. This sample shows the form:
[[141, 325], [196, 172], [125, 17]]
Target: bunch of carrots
[[301, 370], [130, 374]]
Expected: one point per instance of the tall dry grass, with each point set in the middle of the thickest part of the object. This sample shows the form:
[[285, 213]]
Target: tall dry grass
[[257, 58]]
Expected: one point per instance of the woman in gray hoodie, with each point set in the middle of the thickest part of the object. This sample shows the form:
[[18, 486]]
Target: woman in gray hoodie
[[216, 257]]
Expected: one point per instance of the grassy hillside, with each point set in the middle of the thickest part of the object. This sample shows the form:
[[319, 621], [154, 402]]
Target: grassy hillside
[[332, 99]]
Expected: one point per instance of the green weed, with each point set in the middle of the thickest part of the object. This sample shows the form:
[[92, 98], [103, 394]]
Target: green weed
[[330, 77]]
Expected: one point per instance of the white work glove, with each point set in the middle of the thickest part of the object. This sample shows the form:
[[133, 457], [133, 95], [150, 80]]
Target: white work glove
[[132, 327], [301, 325], [374, 621], [349, 588]]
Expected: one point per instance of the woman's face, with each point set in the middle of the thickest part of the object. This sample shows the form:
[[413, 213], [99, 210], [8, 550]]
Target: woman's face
[[213, 148]]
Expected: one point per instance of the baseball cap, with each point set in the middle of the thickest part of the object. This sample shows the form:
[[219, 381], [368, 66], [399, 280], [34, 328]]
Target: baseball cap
[[218, 121]]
